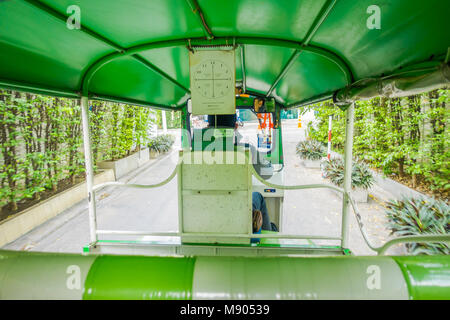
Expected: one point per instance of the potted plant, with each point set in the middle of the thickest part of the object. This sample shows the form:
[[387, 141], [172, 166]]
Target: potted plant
[[160, 144], [418, 216], [165, 142], [362, 177], [311, 152], [153, 148]]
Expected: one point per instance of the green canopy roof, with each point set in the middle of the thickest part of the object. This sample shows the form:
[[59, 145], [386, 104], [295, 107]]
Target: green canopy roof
[[136, 51]]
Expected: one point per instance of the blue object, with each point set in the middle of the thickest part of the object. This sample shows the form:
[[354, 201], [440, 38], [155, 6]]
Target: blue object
[[258, 203], [256, 240]]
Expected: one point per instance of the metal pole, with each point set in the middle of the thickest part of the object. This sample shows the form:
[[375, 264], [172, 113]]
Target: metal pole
[[89, 168], [164, 121], [330, 118], [347, 173]]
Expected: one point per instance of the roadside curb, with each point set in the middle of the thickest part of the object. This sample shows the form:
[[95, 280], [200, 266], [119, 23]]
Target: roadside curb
[[16, 226], [133, 174], [388, 189]]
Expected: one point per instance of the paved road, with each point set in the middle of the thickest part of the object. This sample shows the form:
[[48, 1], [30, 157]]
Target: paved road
[[314, 212]]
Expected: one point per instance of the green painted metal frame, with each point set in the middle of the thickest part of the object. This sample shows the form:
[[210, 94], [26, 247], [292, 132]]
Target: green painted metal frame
[[63, 18], [44, 275], [94, 67], [92, 208], [195, 7], [135, 102], [298, 46], [244, 80], [27, 87], [327, 7], [134, 51], [120, 51], [265, 248], [348, 163]]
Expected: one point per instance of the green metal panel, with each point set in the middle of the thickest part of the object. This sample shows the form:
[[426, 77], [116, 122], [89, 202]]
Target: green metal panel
[[26, 275], [298, 278], [268, 241], [39, 53], [37, 48], [411, 31], [428, 277], [34, 275], [262, 65], [133, 22], [135, 81], [135, 277], [302, 81], [205, 139], [172, 60], [279, 19], [238, 64]]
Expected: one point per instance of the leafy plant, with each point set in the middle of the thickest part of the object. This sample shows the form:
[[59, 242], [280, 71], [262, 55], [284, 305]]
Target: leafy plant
[[419, 216], [362, 177], [161, 143], [310, 150], [41, 144], [407, 138]]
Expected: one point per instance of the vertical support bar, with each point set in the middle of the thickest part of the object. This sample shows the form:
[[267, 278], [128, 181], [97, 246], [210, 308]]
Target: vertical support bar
[[89, 168], [330, 118], [244, 85], [155, 123], [279, 135], [185, 128], [164, 121], [180, 193], [347, 173]]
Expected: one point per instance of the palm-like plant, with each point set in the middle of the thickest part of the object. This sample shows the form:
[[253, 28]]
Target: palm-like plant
[[362, 177], [418, 216], [310, 150]]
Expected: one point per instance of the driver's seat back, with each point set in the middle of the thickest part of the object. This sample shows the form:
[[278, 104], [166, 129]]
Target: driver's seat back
[[215, 196]]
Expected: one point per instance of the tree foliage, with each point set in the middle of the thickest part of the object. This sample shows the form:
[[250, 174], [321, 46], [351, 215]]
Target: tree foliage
[[404, 137], [41, 140]]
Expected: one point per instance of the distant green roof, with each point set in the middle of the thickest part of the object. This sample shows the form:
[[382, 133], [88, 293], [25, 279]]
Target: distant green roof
[[135, 51]]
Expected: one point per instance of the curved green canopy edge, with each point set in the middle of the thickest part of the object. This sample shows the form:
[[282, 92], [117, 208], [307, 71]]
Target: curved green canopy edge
[[136, 51]]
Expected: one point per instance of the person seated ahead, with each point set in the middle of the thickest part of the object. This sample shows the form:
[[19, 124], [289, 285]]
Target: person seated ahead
[[260, 219]]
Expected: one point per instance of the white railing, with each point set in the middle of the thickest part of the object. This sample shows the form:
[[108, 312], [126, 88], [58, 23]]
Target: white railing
[[380, 250]]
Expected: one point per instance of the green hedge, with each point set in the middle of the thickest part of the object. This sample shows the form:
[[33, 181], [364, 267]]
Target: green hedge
[[407, 137], [41, 140]]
